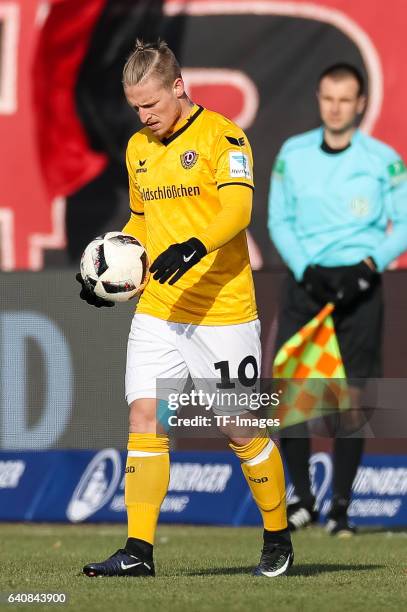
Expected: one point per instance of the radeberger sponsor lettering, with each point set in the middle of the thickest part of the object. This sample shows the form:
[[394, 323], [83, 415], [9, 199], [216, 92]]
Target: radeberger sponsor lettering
[[381, 481], [174, 503], [206, 478], [375, 507]]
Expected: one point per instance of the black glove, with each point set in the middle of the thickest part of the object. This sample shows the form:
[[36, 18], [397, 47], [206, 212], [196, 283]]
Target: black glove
[[315, 281], [90, 296], [176, 260], [356, 281]]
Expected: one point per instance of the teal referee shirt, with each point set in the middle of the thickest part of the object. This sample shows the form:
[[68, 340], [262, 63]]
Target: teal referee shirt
[[334, 209]]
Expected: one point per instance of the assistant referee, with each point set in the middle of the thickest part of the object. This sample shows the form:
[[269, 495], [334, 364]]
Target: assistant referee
[[334, 191]]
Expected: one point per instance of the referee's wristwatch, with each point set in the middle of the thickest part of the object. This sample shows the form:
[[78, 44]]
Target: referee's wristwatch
[[371, 263]]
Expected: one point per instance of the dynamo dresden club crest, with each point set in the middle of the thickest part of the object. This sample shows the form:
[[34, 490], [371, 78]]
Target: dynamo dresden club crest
[[188, 159]]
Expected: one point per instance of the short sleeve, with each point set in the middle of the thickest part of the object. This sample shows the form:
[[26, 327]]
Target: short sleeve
[[232, 159]]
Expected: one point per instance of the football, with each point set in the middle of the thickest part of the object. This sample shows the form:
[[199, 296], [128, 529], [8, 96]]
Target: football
[[115, 266]]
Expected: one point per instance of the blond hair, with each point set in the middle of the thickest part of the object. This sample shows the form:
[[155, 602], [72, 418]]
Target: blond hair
[[151, 59]]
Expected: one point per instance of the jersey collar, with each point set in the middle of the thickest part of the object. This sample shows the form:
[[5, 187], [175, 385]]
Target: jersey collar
[[197, 110], [327, 149]]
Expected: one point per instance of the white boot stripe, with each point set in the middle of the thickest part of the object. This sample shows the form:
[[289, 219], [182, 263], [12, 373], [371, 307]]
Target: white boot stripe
[[280, 570]]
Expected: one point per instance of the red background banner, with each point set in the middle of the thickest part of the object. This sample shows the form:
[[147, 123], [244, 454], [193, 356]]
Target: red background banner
[[44, 148]]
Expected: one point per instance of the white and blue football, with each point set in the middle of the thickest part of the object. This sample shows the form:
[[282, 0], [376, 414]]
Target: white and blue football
[[115, 266]]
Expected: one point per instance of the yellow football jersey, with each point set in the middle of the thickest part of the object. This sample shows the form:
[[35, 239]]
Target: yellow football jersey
[[174, 183]]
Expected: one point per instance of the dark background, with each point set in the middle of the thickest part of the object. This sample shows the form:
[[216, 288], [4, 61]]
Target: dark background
[[90, 391]]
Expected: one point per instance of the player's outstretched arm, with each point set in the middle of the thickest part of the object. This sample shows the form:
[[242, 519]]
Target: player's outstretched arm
[[90, 296]]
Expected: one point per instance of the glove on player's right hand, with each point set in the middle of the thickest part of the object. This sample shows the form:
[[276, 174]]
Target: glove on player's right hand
[[90, 296]]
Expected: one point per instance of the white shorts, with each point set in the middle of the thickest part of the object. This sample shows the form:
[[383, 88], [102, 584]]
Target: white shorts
[[161, 355]]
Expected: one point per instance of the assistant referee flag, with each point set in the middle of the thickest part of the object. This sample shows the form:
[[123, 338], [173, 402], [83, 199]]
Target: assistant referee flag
[[312, 353]]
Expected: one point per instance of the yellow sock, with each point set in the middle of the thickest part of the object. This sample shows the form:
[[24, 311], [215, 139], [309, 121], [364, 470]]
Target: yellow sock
[[146, 483], [263, 470]]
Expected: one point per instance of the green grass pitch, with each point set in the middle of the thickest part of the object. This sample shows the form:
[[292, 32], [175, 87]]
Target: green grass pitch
[[205, 569]]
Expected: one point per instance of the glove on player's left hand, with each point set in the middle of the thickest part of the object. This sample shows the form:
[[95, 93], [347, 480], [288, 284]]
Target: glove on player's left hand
[[356, 282], [176, 260]]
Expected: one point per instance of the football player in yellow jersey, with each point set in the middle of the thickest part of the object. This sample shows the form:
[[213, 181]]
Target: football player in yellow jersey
[[191, 185]]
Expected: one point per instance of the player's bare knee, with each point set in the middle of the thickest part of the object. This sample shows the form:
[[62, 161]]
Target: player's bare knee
[[239, 434], [142, 416]]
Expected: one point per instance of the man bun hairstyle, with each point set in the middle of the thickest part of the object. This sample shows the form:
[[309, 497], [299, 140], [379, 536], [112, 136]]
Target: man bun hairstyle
[[153, 59], [341, 70]]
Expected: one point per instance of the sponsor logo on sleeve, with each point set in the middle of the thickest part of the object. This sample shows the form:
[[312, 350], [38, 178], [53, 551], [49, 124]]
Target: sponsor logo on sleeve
[[239, 165], [397, 171], [279, 168]]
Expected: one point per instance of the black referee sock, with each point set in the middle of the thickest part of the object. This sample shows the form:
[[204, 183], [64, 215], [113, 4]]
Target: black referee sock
[[297, 453], [346, 459]]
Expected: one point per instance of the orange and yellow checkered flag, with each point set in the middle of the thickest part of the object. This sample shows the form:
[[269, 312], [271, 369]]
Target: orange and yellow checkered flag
[[313, 359]]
